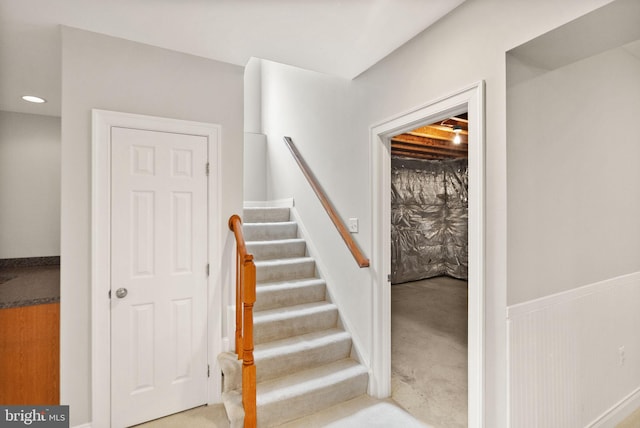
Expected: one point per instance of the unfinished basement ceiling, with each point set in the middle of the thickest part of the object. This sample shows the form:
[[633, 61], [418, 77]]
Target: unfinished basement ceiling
[[434, 141]]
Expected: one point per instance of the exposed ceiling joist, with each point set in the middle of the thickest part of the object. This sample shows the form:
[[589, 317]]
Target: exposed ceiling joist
[[429, 150], [415, 155], [438, 135], [434, 141]]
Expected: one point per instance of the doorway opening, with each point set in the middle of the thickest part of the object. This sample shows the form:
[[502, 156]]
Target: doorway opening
[[470, 100], [30, 146], [429, 271]]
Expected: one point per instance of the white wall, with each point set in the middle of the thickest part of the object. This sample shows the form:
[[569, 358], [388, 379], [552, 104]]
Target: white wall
[[255, 143], [574, 180], [329, 119], [255, 167], [29, 185], [573, 246], [253, 96], [315, 110], [113, 74]]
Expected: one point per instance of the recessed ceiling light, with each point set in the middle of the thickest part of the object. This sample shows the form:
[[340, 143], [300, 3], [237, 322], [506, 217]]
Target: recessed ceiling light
[[33, 99]]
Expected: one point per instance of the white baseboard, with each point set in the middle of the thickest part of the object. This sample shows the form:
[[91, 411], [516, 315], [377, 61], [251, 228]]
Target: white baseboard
[[618, 412], [280, 203], [87, 425]]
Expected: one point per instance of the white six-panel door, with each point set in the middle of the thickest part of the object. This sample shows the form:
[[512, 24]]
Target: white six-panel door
[[158, 274]]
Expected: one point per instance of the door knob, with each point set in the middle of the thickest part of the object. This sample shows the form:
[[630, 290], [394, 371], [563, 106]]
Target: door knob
[[121, 293]]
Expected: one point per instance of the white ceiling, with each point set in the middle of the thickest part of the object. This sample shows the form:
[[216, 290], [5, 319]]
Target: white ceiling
[[339, 37], [575, 40]]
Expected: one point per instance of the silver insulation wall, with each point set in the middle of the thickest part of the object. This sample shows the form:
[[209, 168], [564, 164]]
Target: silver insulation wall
[[429, 218]]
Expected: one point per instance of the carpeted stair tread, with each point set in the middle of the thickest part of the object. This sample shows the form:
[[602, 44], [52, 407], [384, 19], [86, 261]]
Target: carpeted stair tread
[[292, 311], [291, 282], [271, 295], [302, 355], [276, 324], [307, 380], [288, 261], [285, 269], [302, 352], [277, 249], [308, 391], [270, 231], [265, 214]]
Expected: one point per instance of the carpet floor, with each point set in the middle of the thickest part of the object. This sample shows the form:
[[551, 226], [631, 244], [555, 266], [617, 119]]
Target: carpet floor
[[429, 368], [361, 412], [429, 350], [632, 421], [29, 285], [201, 417]]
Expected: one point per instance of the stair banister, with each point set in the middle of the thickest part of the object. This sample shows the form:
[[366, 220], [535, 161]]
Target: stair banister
[[328, 206], [245, 299]]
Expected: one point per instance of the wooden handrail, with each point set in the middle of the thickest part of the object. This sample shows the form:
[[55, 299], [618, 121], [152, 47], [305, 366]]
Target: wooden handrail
[[326, 203], [245, 298]]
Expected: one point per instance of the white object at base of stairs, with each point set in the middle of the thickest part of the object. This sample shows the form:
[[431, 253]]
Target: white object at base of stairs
[[304, 359]]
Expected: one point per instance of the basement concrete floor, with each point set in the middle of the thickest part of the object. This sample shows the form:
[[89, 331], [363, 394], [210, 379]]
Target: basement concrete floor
[[429, 350]]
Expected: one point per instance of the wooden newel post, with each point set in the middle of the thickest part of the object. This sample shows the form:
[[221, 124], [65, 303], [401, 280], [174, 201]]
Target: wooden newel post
[[234, 221], [248, 366]]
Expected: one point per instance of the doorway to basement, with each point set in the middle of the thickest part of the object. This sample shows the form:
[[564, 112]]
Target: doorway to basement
[[429, 271], [471, 101]]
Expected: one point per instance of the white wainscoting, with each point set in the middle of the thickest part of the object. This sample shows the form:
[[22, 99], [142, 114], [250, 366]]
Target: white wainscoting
[[574, 357]]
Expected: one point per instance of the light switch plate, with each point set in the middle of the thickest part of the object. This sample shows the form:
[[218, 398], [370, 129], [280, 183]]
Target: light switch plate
[[353, 225]]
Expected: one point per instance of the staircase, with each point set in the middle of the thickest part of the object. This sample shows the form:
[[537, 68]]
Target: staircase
[[303, 357]]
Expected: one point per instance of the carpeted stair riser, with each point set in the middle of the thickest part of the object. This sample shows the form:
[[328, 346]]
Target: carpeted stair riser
[[297, 353], [232, 401], [280, 249], [302, 393], [265, 215], [289, 293], [278, 324], [302, 358], [269, 231], [285, 269]]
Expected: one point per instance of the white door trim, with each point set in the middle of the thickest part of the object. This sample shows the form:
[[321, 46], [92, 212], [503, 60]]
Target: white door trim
[[470, 99], [102, 122]]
